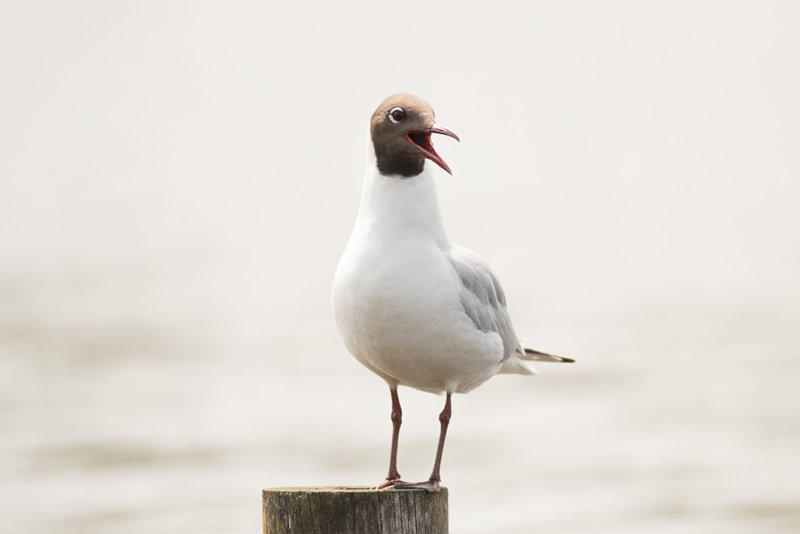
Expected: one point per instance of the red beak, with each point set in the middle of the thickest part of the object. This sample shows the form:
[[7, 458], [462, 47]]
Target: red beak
[[422, 140]]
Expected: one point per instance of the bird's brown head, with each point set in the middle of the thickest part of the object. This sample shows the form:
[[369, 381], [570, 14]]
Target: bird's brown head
[[401, 131]]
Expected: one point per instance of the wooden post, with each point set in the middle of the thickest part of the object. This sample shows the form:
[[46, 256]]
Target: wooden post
[[353, 510]]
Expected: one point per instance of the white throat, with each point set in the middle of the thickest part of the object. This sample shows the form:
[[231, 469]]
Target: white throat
[[401, 207]]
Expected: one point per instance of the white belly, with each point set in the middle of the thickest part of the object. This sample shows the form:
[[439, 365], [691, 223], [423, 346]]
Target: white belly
[[398, 310]]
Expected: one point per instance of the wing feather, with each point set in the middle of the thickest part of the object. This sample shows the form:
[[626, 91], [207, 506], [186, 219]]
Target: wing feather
[[483, 298]]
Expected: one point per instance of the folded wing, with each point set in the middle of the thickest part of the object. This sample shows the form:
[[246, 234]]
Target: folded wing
[[484, 302], [483, 299]]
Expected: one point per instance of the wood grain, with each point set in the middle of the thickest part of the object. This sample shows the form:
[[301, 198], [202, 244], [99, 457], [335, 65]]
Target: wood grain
[[353, 510]]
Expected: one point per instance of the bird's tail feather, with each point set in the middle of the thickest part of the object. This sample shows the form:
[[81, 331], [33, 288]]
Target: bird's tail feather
[[535, 355]]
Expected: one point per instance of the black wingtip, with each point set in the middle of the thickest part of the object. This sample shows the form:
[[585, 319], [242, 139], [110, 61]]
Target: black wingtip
[[543, 356]]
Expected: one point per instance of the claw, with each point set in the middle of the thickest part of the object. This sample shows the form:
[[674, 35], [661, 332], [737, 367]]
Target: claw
[[388, 483]]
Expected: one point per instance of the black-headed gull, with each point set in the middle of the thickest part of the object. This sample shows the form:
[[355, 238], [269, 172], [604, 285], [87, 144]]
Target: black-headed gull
[[415, 309]]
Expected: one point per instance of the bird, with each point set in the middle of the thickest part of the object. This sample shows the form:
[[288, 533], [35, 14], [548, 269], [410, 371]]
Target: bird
[[412, 307]]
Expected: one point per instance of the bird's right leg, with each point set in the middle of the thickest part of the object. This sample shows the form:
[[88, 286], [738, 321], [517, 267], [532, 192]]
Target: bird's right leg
[[397, 419]]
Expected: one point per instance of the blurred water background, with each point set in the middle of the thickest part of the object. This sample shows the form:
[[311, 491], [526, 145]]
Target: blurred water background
[[178, 179]]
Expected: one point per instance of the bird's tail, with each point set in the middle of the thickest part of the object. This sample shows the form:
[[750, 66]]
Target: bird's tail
[[535, 355]]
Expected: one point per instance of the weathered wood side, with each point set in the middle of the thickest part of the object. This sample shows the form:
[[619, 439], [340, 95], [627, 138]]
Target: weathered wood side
[[353, 510]]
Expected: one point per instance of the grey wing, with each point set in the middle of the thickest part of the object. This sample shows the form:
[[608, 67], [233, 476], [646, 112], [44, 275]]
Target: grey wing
[[483, 299]]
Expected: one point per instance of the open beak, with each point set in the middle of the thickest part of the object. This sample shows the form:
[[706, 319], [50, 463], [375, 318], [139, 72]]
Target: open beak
[[422, 140]]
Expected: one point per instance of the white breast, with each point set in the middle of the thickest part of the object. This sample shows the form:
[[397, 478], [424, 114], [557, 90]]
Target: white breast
[[395, 293]]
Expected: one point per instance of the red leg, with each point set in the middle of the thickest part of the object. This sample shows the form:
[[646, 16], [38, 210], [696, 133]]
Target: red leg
[[444, 421], [397, 420]]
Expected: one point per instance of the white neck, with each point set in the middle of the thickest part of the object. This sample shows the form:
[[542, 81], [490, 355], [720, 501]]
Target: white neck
[[397, 206]]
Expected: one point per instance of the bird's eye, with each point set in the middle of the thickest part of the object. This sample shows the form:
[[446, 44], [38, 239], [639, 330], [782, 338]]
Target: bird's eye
[[397, 115]]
